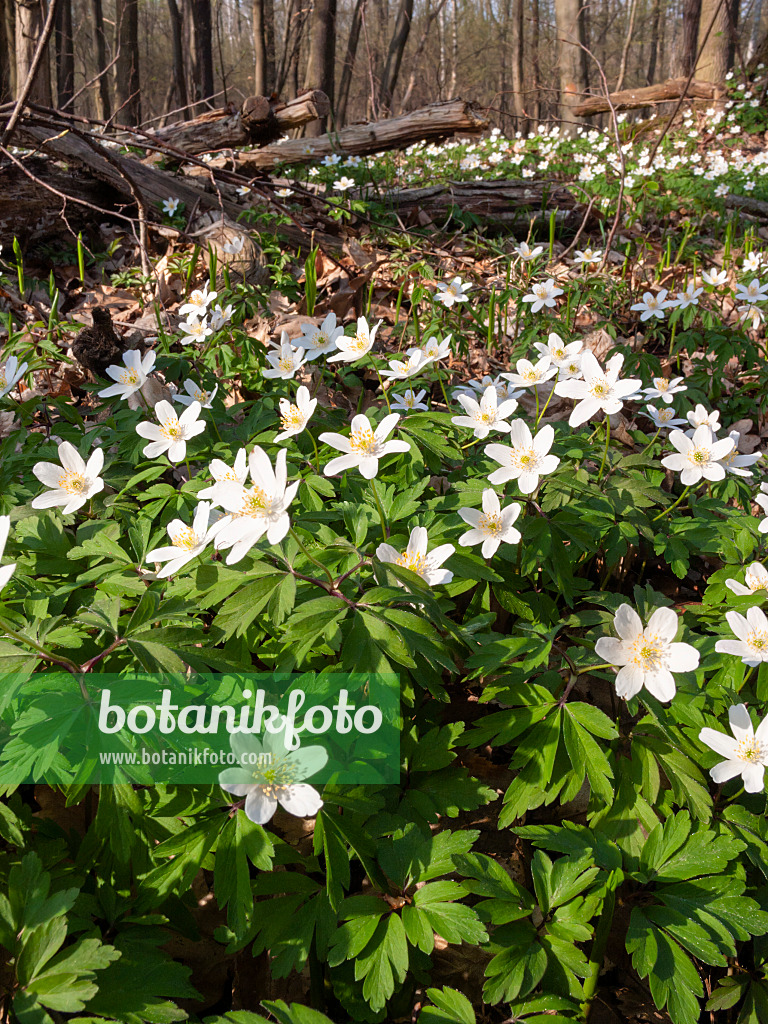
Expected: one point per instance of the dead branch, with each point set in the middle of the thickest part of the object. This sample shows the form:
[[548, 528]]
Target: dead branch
[[632, 99]]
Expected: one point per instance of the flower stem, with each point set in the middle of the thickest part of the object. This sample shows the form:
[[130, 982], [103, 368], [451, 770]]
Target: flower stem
[[313, 560], [600, 941], [651, 442], [317, 454], [539, 417], [607, 442], [670, 507], [386, 396], [442, 386], [382, 520], [70, 666]]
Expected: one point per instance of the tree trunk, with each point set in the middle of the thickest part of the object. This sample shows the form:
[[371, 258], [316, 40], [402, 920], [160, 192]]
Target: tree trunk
[[7, 55], [349, 63], [201, 16], [535, 62], [65, 54], [259, 49], [654, 55], [30, 16], [395, 55], [179, 71], [431, 16], [572, 59], [322, 56], [454, 48], [713, 41], [627, 44], [103, 105], [754, 35], [689, 46], [127, 85], [518, 43]]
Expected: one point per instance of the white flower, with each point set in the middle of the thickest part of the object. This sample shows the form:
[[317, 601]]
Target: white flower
[[354, 348], [402, 370], [410, 401], [664, 388], [256, 510], [525, 252], [196, 330], [649, 656], [560, 354], [72, 483], [220, 316], [270, 774], [600, 389], [751, 631], [653, 305], [477, 387], [235, 246], [284, 193], [588, 256], [222, 474], [328, 161], [751, 263], [319, 341], [746, 753], [543, 294], [688, 297], [130, 377], [196, 394], [492, 526], [187, 542], [455, 291], [243, 190], [700, 418], [526, 460], [417, 559], [285, 361], [6, 571], [530, 374], [736, 463], [721, 190], [294, 418], [664, 417], [755, 578], [344, 183], [364, 446], [753, 313], [10, 374], [435, 350], [698, 456], [198, 302], [752, 292], [485, 415], [715, 277], [170, 205], [762, 501], [173, 433]]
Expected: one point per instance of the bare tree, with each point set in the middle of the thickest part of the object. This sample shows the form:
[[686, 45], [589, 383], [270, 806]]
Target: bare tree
[[179, 72], [65, 53], [686, 57], [103, 105], [572, 59], [263, 47], [29, 26], [627, 44], [7, 55], [395, 55], [322, 54], [349, 62], [654, 56], [714, 40], [203, 25], [127, 81]]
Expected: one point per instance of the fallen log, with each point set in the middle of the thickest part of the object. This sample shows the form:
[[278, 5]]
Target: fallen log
[[633, 99], [434, 123], [500, 201], [259, 121]]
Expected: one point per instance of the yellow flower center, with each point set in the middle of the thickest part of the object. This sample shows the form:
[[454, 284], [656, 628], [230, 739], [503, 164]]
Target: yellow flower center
[[755, 582], [647, 652], [292, 418], [184, 537], [362, 441], [172, 430], [600, 388], [700, 456], [285, 363], [72, 483], [666, 414], [416, 563], [360, 342], [758, 640], [531, 375], [255, 502], [490, 522], [750, 750], [661, 383], [540, 291], [129, 377]]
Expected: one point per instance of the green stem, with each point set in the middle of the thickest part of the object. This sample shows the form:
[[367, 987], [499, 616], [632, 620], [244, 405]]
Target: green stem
[[189, 468], [607, 442], [381, 382], [651, 442], [536, 390], [317, 454], [600, 941], [670, 507], [70, 666], [382, 520], [548, 400], [313, 560], [442, 386]]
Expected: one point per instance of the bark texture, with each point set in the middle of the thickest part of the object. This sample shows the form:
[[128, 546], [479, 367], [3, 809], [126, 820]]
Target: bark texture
[[572, 59], [322, 55]]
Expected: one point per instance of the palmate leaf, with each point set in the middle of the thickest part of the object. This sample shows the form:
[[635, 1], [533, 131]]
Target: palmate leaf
[[451, 1007], [383, 962]]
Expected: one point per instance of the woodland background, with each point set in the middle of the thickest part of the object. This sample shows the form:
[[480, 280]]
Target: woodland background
[[140, 61]]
